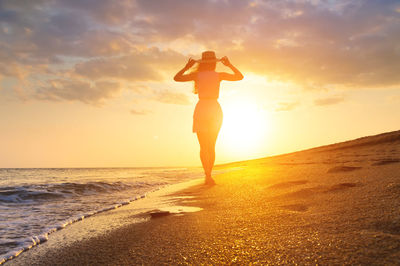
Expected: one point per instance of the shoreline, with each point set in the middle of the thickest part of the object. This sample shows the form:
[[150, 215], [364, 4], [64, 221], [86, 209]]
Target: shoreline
[[92, 224]]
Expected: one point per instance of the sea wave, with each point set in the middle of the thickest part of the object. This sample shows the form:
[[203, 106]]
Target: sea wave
[[51, 192], [36, 202], [30, 242]]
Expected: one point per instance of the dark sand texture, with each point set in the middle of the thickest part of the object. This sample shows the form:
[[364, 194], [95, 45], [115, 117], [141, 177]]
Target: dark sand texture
[[289, 209]]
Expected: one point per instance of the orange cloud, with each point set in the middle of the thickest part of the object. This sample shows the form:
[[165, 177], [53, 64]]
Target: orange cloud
[[78, 90], [329, 101], [312, 43], [287, 106]]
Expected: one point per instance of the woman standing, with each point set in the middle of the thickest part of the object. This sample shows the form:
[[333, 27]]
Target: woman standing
[[207, 117]]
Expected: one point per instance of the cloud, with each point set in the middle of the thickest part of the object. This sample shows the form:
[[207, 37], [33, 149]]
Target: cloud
[[140, 112], [171, 97], [328, 101], [78, 90], [346, 44], [144, 65], [102, 11], [352, 47], [287, 106]]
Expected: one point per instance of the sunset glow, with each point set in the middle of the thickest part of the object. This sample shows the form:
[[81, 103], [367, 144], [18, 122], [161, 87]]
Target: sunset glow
[[244, 129], [90, 83]]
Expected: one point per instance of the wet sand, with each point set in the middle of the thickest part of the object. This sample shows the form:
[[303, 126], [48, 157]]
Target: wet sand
[[337, 204]]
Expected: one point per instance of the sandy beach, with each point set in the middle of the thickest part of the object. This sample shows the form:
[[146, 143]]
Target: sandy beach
[[337, 204], [177, 132]]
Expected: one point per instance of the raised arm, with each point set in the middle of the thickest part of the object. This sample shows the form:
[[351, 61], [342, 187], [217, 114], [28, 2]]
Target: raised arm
[[231, 77], [189, 77]]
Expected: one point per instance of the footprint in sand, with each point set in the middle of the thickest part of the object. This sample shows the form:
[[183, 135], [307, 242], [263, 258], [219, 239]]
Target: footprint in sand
[[388, 226], [342, 168], [295, 207], [312, 191], [387, 161], [157, 214], [288, 184], [340, 186]]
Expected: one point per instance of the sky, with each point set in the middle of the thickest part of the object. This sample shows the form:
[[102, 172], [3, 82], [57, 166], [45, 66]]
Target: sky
[[89, 83]]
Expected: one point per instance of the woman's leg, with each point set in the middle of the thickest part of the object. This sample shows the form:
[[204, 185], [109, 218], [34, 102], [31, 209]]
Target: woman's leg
[[204, 157], [207, 142], [212, 139]]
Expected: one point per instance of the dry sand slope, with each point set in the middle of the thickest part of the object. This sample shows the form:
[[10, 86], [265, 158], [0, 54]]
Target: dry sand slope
[[337, 204]]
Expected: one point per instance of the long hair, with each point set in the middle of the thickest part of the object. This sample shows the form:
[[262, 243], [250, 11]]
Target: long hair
[[203, 67]]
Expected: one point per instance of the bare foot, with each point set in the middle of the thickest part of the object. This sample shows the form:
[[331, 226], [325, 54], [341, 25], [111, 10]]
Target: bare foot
[[209, 181]]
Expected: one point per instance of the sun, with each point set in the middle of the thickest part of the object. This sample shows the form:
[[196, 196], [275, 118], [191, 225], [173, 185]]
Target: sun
[[244, 127]]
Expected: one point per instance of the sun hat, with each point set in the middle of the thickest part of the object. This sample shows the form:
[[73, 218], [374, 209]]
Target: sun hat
[[208, 57]]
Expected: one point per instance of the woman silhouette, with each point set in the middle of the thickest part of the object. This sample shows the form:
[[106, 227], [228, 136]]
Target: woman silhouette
[[207, 117]]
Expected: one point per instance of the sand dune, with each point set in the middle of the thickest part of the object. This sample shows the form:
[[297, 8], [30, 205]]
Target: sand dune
[[336, 204]]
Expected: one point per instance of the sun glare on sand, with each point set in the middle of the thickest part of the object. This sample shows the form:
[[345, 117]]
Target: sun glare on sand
[[244, 127]]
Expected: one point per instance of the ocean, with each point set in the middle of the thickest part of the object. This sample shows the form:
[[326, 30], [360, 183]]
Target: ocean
[[36, 202]]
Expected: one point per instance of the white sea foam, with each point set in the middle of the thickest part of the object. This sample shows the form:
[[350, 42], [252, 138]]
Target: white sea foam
[[35, 240], [51, 199]]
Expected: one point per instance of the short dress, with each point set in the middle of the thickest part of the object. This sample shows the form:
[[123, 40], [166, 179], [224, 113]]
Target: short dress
[[208, 113]]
